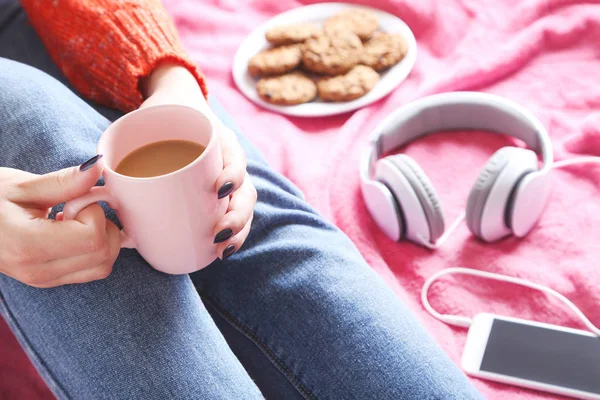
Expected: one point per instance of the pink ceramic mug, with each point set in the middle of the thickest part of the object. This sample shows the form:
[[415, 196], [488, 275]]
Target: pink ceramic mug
[[170, 218]]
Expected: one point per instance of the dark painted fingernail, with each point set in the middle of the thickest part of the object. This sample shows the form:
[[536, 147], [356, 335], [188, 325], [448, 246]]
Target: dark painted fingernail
[[90, 163], [225, 190], [223, 235], [229, 250]]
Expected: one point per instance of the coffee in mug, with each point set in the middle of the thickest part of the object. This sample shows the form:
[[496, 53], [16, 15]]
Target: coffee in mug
[[159, 158]]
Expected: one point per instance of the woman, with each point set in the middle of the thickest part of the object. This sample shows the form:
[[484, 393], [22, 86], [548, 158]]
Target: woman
[[294, 313]]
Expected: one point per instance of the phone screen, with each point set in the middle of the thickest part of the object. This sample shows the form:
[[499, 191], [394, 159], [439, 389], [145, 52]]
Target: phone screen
[[543, 355]]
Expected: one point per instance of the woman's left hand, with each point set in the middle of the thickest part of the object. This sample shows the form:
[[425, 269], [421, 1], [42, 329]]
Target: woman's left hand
[[171, 84]]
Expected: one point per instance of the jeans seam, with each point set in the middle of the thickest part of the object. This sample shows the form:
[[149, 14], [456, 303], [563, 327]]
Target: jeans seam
[[48, 378], [264, 348]]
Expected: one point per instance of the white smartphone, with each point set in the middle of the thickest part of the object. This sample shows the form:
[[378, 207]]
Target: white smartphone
[[533, 355]]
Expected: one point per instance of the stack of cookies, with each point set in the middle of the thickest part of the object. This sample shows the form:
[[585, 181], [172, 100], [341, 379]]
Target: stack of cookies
[[339, 61]]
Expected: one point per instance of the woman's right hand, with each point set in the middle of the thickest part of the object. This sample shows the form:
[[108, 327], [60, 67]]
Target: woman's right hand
[[45, 253]]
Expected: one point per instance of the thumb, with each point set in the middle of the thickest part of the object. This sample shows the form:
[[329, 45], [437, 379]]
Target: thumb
[[60, 186]]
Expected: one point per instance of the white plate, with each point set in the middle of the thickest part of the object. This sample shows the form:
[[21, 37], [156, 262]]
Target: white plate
[[318, 13]]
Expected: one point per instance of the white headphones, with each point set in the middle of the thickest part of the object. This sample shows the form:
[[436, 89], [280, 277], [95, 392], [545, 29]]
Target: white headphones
[[509, 195]]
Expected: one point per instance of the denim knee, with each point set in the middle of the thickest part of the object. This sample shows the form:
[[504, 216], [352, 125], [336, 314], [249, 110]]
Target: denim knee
[[40, 118], [26, 89], [22, 86]]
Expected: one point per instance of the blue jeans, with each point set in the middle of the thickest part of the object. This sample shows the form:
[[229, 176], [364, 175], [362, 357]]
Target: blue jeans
[[296, 313]]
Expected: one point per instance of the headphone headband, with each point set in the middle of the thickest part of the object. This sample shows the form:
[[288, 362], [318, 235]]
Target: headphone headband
[[459, 111]]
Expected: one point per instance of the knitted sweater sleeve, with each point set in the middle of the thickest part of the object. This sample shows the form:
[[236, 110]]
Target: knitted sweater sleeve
[[104, 47]]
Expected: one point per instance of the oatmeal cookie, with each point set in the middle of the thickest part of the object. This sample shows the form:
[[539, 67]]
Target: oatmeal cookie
[[360, 21], [289, 89], [290, 34], [277, 60], [383, 50], [332, 54], [354, 84]]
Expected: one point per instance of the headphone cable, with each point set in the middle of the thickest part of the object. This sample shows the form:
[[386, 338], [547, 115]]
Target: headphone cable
[[465, 322], [438, 243], [575, 161]]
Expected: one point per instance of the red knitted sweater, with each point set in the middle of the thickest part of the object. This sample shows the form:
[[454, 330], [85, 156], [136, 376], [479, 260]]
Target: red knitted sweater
[[104, 47]]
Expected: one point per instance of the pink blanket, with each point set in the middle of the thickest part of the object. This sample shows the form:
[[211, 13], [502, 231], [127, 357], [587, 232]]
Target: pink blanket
[[544, 54]]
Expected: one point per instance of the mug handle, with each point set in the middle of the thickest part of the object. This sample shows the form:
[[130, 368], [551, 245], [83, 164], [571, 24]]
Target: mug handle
[[96, 194]]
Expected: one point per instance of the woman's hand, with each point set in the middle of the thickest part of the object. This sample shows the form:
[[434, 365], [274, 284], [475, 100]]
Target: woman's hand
[[171, 84], [45, 253]]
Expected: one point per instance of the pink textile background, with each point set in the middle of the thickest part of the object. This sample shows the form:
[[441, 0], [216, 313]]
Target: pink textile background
[[544, 54]]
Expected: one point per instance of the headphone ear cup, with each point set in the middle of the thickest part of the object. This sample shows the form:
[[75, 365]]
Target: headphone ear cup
[[489, 199], [482, 187], [417, 197], [383, 208]]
